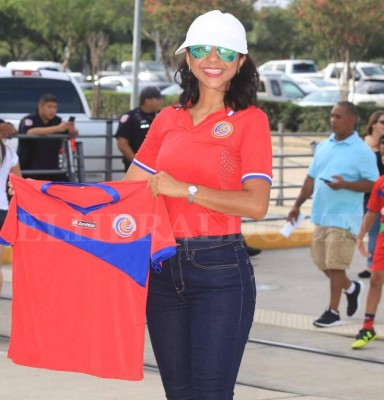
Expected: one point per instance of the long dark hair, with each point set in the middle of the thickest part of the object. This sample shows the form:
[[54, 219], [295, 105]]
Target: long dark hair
[[242, 91]]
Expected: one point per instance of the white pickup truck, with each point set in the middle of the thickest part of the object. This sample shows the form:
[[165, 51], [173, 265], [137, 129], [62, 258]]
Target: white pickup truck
[[19, 93]]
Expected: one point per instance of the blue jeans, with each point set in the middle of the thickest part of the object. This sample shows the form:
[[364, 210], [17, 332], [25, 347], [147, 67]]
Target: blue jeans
[[199, 313]]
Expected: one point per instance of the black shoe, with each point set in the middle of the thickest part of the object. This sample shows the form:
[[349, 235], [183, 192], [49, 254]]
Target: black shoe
[[252, 251], [354, 298], [328, 319], [364, 274]]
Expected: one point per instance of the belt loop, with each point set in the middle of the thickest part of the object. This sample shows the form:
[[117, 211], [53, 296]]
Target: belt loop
[[186, 249]]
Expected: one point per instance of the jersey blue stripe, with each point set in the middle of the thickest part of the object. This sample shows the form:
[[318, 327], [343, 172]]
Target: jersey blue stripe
[[132, 258], [256, 175], [2, 241], [144, 167], [84, 210]]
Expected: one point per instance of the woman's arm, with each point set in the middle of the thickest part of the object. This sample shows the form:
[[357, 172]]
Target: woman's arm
[[135, 173], [252, 201]]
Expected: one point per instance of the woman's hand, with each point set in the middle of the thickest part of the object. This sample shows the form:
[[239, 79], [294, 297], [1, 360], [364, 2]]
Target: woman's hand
[[11, 191], [163, 183]]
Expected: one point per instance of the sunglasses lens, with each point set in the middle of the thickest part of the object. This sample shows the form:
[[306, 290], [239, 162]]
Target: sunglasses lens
[[226, 55], [200, 51]]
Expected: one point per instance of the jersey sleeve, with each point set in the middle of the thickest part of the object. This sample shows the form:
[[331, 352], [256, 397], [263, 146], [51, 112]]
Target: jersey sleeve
[[146, 157], [8, 233], [376, 199], [256, 149], [163, 243]]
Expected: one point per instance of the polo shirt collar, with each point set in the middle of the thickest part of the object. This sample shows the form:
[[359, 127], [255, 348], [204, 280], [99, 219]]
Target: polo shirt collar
[[349, 140]]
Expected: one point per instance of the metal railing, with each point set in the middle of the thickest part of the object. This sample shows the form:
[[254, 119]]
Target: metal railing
[[292, 154]]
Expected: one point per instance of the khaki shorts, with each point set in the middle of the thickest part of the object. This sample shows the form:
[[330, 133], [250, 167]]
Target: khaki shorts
[[332, 248]]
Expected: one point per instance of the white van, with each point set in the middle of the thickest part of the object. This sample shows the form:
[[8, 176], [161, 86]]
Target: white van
[[36, 66], [292, 68], [363, 70]]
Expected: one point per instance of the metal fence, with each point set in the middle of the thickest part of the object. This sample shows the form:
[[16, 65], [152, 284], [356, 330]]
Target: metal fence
[[292, 154]]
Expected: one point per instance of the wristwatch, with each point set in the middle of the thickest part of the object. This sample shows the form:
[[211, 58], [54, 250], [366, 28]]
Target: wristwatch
[[192, 190]]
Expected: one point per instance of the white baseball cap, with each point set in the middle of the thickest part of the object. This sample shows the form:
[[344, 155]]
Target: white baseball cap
[[216, 29]]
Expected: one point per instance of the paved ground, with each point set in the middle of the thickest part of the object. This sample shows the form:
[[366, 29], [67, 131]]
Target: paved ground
[[291, 293]]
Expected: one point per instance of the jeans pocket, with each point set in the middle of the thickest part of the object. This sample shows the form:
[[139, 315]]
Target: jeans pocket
[[220, 257]]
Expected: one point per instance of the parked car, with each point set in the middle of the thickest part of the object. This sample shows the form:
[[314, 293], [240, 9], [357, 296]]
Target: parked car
[[327, 96], [171, 90], [364, 70], [292, 68], [311, 84], [123, 83], [369, 92], [277, 86], [274, 86], [33, 65], [19, 93]]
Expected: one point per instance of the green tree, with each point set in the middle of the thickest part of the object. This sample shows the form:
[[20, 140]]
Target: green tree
[[166, 21], [345, 28], [273, 36]]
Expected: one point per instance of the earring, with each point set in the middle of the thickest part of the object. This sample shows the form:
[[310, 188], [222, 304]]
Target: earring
[[189, 68]]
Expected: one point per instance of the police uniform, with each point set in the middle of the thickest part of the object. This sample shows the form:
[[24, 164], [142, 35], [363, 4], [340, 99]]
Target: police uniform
[[39, 153], [134, 126]]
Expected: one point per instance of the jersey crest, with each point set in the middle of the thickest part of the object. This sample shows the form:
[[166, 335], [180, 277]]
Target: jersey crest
[[222, 130]]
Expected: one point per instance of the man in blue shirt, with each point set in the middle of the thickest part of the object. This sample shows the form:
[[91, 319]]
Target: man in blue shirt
[[343, 169]]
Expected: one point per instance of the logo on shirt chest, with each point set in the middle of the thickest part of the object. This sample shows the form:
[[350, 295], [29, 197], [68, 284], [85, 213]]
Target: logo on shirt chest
[[83, 224], [222, 130], [124, 225]]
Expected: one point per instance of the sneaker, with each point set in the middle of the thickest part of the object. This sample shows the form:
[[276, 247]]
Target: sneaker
[[328, 319], [363, 338], [364, 274], [354, 298]]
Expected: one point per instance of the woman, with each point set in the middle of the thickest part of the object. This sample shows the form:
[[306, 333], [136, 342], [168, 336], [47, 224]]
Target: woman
[[9, 162], [374, 133], [210, 157]]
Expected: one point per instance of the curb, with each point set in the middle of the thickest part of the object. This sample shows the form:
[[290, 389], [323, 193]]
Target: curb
[[7, 255], [275, 240]]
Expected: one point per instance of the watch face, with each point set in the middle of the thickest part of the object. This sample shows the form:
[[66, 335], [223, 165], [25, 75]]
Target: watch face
[[192, 189]]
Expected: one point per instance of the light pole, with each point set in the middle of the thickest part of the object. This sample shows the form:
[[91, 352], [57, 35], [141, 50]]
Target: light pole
[[136, 54]]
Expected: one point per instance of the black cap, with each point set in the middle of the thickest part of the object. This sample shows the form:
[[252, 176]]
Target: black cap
[[150, 92]]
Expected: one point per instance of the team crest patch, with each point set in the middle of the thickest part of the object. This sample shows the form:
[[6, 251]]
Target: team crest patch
[[28, 122], [124, 225], [222, 130]]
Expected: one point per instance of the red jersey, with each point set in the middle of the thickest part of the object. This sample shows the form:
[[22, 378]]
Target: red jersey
[[376, 204], [221, 152], [376, 198], [81, 255]]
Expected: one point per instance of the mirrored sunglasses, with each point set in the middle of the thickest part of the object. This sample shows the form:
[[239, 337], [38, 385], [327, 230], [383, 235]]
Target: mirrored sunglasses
[[201, 51]]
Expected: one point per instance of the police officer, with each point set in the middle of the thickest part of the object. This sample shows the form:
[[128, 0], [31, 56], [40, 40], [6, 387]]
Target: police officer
[[43, 154], [134, 125]]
